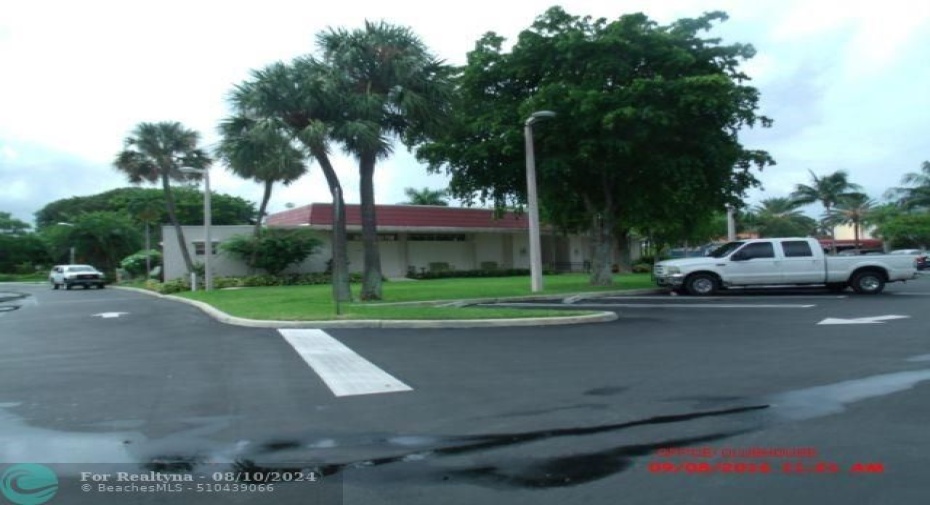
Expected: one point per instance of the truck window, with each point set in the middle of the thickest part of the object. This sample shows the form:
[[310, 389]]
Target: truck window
[[758, 250], [797, 249]]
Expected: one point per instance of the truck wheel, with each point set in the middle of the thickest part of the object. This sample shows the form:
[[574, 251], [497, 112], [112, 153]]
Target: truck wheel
[[868, 282], [702, 285], [54, 285], [68, 286]]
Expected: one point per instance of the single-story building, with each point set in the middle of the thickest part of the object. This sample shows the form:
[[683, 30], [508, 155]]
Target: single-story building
[[411, 238]]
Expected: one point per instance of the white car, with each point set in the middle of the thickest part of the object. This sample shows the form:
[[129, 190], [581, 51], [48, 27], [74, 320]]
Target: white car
[[76, 275]]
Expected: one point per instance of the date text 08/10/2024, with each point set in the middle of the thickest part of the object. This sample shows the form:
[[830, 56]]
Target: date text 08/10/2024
[[754, 460]]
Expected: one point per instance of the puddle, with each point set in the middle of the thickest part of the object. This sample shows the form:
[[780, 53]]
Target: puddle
[[833, 398]]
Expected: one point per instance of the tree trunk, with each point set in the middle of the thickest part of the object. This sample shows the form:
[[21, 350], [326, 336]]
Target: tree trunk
[[372, 277], [340, 260], [257, 233], [832, 231], [602, 245], [173, 217], [856, 232], [623, 250]]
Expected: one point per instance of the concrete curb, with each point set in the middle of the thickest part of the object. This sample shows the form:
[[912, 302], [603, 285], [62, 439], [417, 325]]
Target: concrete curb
[[598, 317]]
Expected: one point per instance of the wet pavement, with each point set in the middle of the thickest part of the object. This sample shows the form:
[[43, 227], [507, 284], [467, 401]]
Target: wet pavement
[[585, 414]]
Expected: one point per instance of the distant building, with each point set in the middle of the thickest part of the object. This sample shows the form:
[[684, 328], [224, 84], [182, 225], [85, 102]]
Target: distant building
[[411, 238]]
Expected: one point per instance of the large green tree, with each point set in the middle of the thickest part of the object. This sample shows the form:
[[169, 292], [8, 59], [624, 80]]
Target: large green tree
[[827, 190], [646, 131], [914, 194], [854, 209], [389, 87], [299, 98], [781, 217], [147, 205], [899, 228], [257, 150], [155, 152], [426, 196], [100, 238], [9, 225]]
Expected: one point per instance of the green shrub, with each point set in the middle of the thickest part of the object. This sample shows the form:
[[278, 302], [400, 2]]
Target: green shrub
[[642, 268], [135, 263], [274, 250], [168, 287]]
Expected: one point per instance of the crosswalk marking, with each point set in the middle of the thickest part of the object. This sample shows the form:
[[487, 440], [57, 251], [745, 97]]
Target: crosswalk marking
[[342, 369]]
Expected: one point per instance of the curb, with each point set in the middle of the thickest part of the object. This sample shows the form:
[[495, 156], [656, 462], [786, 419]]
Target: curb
[[598, 317]]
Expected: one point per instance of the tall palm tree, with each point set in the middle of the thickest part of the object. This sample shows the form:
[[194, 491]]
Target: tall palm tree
[[781, 217], [255, 149], [426, 196], [853, 209], [298, 98], [915, 194], [390, 87], [155, 152], [827, 190]]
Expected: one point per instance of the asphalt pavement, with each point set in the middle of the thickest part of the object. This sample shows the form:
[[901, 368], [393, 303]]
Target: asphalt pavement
[[764, 397]]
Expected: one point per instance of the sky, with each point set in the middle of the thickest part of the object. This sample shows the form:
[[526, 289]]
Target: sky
[[847, 83]]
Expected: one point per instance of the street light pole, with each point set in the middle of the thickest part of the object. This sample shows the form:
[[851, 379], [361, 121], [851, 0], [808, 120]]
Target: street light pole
[[207, 220], [536, 279], [70, 249]]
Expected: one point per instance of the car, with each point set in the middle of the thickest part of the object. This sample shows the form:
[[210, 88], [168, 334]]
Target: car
[[921, 260], [76, 275]]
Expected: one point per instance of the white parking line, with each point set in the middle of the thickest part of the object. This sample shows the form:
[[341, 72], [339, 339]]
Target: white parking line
[[345, 372]]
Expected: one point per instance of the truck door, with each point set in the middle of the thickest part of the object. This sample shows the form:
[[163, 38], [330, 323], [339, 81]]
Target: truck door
[[755, 263], [800, 265]]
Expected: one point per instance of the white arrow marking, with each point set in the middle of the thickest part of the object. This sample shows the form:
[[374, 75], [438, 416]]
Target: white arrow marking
[[861, 320], [109, 315]]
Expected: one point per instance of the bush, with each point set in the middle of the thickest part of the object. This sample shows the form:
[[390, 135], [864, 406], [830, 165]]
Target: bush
[[274, 250], [135, 263], [169, 287], [642, 268]]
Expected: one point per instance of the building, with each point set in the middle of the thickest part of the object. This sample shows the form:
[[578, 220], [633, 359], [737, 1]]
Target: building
[[411, 238]]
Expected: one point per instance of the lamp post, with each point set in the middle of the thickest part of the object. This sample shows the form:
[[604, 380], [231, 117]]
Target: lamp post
[[70, 249], [207, 219], [536, 280]]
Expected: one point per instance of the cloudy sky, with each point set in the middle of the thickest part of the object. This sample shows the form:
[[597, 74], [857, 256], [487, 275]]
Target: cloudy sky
[[847, 83]]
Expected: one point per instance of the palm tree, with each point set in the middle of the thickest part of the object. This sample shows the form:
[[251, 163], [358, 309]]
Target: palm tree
[[827, 190], [916, 193], [254, 149], [426, 196], [780, 217], [390, 87], [853, 209], [155, 152], [298, 98]]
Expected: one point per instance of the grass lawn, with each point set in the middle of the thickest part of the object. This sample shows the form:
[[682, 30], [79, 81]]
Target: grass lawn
[[315, 303], [35, 277]]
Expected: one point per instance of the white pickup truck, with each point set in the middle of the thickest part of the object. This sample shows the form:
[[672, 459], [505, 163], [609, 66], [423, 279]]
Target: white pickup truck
[[780, 262]]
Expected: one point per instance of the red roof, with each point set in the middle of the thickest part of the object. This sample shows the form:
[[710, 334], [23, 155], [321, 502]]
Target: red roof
[[320, 215]]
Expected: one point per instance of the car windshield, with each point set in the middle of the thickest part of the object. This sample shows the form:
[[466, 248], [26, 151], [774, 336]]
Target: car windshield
[[725, 249], [81, 268]]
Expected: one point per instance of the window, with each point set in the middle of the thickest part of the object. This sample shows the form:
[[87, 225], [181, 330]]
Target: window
[[436, 237], [797, 249], [758, 250], [382, 237], [199, 248]]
